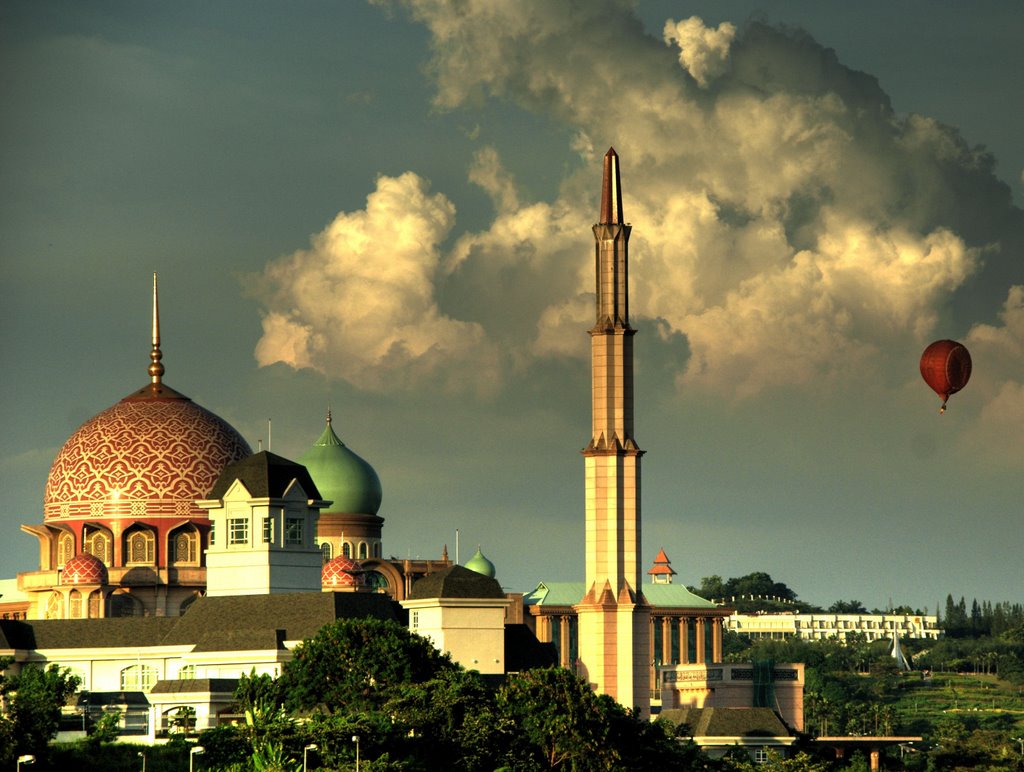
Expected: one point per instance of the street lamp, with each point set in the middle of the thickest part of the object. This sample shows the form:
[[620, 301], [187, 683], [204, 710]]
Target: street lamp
[[355, 739], [28, 758], [142, 755], [192, 756], [307, 749]]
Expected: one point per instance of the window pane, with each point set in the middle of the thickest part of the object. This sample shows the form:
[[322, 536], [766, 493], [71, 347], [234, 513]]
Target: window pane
[[238, 530], [293, 530]]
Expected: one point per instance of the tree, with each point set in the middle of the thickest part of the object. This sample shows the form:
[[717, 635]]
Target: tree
[[356, 664], [32, 700], [847, 607]]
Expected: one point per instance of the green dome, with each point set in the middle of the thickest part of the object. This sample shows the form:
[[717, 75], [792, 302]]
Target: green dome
[[480, 564], [341, 476]]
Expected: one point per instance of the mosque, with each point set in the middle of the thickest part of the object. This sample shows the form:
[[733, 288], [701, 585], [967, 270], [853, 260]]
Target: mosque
[[172, 558]]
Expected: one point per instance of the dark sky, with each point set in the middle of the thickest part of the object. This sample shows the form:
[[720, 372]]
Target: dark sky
[[387, 208]]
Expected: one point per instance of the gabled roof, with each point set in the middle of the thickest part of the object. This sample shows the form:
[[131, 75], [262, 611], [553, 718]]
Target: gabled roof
[[265, 475], [674, 596], [194, 685], [658, 595], [727, 722], [228, 623], [456, 582], [555, 594]]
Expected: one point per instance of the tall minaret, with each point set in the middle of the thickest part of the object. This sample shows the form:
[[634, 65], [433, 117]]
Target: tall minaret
[[613, 615]]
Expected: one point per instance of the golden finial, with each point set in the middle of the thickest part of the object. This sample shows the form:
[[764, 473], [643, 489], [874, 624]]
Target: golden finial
[[156, 369]]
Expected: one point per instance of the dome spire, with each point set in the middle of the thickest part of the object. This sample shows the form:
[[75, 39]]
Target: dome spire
[[156, 369]]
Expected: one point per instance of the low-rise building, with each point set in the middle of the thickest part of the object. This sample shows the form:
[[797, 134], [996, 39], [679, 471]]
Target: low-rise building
[[841, 626]]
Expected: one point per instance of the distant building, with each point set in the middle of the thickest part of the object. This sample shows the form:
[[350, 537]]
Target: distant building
[[818, 627]]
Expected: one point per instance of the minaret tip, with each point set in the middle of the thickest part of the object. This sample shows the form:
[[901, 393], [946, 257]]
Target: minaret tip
[[156, 369], [611, 190]]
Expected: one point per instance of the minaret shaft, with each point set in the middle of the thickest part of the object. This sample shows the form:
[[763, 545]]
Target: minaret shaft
[[613, 615]]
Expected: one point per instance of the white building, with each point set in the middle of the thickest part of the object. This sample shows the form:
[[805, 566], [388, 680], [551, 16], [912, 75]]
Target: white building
[[816, 627]]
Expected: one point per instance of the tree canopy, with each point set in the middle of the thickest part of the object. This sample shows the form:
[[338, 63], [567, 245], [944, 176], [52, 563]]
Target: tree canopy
[[356, 664]]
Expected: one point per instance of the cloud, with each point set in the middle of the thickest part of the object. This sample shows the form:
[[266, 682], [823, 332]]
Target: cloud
[[360, 303], [703, 51], [787, 223]]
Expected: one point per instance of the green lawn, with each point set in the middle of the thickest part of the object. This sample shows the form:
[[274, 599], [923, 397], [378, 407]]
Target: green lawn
[[921, 704]]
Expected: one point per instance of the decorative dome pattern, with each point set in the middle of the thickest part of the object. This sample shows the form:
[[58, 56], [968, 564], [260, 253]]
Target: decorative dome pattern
[[84, 569], [342, 572], [143, 457]]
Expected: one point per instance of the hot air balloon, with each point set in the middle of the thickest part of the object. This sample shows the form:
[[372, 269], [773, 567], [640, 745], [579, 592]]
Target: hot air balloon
[[946, 367]]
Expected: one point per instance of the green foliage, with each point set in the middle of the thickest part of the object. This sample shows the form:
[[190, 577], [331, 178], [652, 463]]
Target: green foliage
[[847, 607], [271, 757], [801, 762], [355, 664], [105, 730], [32, 701], [259, 698], [115, 757]]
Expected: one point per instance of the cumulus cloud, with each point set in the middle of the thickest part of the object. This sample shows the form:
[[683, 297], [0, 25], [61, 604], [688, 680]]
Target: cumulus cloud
[[360, 303], [703, 51], [787, 222]]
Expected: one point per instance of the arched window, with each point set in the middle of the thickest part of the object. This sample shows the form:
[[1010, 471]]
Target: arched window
[[65, 548], [376, 550], [138, 678], [74, 604], [141, 548], [95, 604], [326, 550], [186, 603], [363, 551], [123, 605], [55, 606], [98, 544], [346, 549], [183, 547]]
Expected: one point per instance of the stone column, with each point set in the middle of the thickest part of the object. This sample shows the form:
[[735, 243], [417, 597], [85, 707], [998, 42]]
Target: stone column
[[716, 639], [700, 654], [563, 634], [684, 641], [666, 641]]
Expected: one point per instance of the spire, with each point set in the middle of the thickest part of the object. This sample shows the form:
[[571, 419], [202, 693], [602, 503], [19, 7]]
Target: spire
[[156, 369], [611, 190]]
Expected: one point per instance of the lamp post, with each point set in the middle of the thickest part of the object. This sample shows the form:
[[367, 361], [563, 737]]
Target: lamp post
[[28, 758], [306, 750], [355, 739], [192, 756], [142, 755]]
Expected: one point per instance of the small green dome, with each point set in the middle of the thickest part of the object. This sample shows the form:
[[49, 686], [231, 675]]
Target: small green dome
[[480, 564], [341, 476]]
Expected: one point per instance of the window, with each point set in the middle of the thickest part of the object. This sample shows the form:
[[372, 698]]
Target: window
[[123, 605], [238, 530], [184, 547], [760, 755], [95, 601], [187, 673], [326, 550], [98, 544], [212, 532], [75, 604], [65, 548], [268, 530], [376, 550], [138, 678], [346, 550], [415, 620], [55, 606], [141, 547], [363, 554], [293, 530]]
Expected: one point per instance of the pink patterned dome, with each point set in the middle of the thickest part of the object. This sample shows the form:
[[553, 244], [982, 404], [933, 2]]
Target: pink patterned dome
[[150, 455], [84, 569], [342, 572]]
